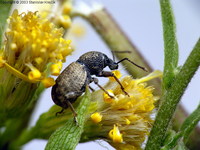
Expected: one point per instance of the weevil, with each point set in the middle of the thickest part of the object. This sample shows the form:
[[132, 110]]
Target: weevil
[[72, 82]]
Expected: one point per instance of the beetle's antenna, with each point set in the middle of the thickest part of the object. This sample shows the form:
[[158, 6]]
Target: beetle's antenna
[[122, 51], [118, 52], [143, 68], [113, 56]]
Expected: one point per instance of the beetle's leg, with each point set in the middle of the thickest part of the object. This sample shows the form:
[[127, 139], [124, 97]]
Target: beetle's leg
[[96, 82], [110, 74], [69, 96], [73, 111], [60, 112], [91, 89]]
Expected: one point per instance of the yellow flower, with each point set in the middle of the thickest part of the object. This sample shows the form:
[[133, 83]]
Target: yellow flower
[[2, 61], [77, 30], [61, 17], [117, 73], [107, 98], [96, 117], [130, 115], [115, 135], [48, 82], [56, 68], [67, 7], [31, 43]]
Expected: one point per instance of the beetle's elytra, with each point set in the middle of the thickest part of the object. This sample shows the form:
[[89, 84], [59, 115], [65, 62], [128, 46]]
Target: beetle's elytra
[[71, 83]]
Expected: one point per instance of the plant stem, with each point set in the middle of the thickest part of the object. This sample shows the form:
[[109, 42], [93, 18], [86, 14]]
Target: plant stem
[[188, 126], [170, 43], [172, 98], [178, 119]]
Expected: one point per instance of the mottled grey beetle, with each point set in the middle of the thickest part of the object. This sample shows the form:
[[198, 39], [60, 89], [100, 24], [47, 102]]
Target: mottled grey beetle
[[72, 82]]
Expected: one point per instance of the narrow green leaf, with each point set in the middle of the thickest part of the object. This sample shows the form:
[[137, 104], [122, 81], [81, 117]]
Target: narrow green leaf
[[171, 140], [170, 43], [68, 136], [4, 12], [172, 98], [169, 137], [190, 123], [180, 146]]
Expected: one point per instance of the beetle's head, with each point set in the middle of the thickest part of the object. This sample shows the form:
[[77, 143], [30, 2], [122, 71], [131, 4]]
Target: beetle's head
[[113, 65]]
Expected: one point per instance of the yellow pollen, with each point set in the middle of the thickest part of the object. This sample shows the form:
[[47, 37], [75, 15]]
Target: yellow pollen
[[67, 8], [78, 30], [65, 21], [128, 105], [134, 118], [48, 82], [128, 121], [96, 117], [38, 60], [141, 108], [115, 135], [107, 98], [13, 46], [17, 73], [2, 61], [68, 42], [43, 50], [117, 73], [35, 74], [56, 68], [60, 56]]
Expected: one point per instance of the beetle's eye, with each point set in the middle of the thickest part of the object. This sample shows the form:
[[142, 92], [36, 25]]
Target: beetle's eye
[[113, 66]]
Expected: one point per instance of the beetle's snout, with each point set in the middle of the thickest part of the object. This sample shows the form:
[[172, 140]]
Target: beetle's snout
[[113, 66]]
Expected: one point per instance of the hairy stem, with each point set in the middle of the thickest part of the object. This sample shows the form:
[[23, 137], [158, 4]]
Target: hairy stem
[[172, 98], [170, 43]]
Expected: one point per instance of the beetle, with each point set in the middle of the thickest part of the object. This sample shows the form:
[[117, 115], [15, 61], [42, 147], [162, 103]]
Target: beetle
[[72, 82]]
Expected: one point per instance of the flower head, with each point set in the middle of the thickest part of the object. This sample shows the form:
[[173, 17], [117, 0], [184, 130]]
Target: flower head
[[32, 47], [31, 43], [62, 15], [126, 120]]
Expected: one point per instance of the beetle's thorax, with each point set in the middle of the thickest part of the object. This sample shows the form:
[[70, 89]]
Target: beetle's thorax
[[94, 61]]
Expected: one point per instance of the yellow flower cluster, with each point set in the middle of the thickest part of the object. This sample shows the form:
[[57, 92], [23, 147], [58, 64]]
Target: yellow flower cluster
[[62, 17], [31, 43], [126, 119]]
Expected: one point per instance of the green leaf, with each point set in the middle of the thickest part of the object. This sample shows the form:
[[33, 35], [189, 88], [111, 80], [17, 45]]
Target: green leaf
[[190, 123], [169, 137], [68, 136], [4, 12], [170, 43], [180, 146]]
